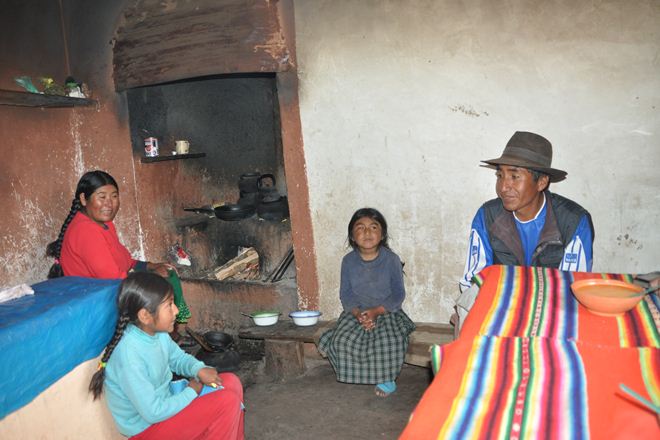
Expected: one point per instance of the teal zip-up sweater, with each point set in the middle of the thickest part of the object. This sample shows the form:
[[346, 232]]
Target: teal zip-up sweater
[[138, 376]]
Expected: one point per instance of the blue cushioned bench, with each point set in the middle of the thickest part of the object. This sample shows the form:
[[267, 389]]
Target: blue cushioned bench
[[67, 321]]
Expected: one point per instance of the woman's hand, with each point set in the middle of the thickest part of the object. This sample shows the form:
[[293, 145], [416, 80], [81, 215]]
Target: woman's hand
[[209, 376], [161, 269], [196, 385]]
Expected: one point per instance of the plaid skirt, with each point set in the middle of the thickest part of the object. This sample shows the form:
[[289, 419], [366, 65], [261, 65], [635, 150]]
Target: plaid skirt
[[367, 357]]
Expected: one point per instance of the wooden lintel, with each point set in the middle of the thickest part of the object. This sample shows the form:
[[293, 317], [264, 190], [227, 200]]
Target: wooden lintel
[[161, 42]]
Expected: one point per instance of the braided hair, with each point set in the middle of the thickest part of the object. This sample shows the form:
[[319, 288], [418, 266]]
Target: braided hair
[[88, 183], [140, 290]]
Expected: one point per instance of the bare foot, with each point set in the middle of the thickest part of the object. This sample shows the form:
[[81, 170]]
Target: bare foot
[[381, 393], [385, 389]]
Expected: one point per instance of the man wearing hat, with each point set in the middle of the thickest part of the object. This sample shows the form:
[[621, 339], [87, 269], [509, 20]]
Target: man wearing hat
[[527, 225]]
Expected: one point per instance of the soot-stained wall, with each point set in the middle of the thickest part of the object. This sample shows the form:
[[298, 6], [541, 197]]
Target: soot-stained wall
[[234, 121]]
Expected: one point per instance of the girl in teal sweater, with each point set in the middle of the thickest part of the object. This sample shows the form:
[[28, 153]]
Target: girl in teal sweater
[[136, 372]]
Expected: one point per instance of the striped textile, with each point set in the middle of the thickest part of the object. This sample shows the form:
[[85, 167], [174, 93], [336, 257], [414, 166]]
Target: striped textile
[[649, 361], [538, 302], [523, 306], [367, 357], [506, 392], [532, 363], [640, 327]]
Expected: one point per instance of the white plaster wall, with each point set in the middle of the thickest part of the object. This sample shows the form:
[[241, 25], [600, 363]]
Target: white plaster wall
[[400, 100]]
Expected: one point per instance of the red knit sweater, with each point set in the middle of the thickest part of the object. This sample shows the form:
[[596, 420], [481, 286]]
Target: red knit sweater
[[90, 250]]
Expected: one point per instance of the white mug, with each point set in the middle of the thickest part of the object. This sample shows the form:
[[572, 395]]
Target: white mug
[[182, 147]]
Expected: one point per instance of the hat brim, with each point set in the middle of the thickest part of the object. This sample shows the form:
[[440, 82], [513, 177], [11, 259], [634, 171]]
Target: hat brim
[[554, 174]]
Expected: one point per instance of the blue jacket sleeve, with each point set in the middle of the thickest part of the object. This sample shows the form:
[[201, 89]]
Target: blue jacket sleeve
[[578, 253], [480, 252]]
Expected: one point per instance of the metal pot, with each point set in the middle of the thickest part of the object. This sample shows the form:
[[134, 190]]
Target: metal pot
[[218, 341], [228, 360], [276, 210], [248, 182], [267, 192]]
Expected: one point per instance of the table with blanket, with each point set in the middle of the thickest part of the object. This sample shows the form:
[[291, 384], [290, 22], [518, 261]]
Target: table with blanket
[[44, 336], [531, 362]]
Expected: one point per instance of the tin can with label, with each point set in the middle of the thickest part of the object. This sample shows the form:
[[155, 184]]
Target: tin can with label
[[151, 147]]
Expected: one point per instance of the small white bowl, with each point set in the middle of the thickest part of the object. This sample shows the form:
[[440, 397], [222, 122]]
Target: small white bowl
[[263, 319], [304, 318]]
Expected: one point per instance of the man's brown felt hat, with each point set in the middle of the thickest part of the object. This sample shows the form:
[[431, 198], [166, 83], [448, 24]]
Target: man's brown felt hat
[[528, 150]]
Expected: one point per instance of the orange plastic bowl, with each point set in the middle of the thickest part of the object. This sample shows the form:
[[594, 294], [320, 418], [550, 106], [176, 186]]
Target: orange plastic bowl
[[606, 297]]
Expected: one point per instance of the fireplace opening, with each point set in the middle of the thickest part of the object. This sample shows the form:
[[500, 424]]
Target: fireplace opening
[[234, 121]]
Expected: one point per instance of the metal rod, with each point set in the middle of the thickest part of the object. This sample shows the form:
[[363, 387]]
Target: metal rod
[[284, 267]]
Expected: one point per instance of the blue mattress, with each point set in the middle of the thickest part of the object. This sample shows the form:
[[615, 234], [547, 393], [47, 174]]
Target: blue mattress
[[43, 336]]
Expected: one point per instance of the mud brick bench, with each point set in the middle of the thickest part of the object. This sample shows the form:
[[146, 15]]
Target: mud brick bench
[[284, 344]]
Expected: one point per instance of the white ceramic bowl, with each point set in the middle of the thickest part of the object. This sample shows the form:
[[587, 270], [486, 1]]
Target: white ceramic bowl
[[305, 317], [265, 318]]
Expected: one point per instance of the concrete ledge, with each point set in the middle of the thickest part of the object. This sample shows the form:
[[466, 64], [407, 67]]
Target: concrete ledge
[[219, 304], [65, 410]]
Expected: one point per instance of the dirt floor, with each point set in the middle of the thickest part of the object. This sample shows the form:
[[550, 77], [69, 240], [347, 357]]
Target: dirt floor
[[316, 406]]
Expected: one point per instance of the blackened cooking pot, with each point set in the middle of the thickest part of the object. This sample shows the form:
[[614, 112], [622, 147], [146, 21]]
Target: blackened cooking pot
[[248, 182], [228, 360], [218, 340], [277, 210]]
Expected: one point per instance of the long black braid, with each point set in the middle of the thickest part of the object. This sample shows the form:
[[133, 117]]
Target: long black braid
[[55, 248], [140, 290], [88, 183], [96, 384]]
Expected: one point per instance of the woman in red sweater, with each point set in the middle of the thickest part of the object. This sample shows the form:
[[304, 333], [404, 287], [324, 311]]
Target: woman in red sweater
[[88, 245]]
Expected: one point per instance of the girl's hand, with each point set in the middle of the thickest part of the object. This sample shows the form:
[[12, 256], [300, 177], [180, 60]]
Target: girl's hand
[[196, 385], [362, 319], [209, 376], [373, 313], [368, 324], [369, 316]]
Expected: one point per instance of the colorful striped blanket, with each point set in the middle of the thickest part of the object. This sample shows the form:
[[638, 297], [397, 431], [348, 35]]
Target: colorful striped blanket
[[532, 363]]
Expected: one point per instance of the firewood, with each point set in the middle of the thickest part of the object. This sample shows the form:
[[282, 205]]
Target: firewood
[[237, 264]]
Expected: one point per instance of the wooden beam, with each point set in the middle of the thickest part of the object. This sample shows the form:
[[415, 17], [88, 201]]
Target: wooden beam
[[160, 41]]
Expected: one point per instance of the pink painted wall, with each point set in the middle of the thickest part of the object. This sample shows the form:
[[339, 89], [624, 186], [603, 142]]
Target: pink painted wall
[[45, 151]]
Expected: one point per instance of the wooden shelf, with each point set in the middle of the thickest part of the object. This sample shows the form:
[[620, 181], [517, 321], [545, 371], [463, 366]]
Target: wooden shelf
[[171, 157], [26, 99]]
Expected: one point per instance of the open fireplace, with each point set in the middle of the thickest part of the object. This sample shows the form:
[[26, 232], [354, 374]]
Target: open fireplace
[[232, 122], [223, 76]]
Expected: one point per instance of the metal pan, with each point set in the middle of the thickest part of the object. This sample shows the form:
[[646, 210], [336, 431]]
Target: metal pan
[[234, 212]]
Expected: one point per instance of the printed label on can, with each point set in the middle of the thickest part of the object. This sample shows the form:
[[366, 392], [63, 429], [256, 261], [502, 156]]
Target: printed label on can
[[151, 147]]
